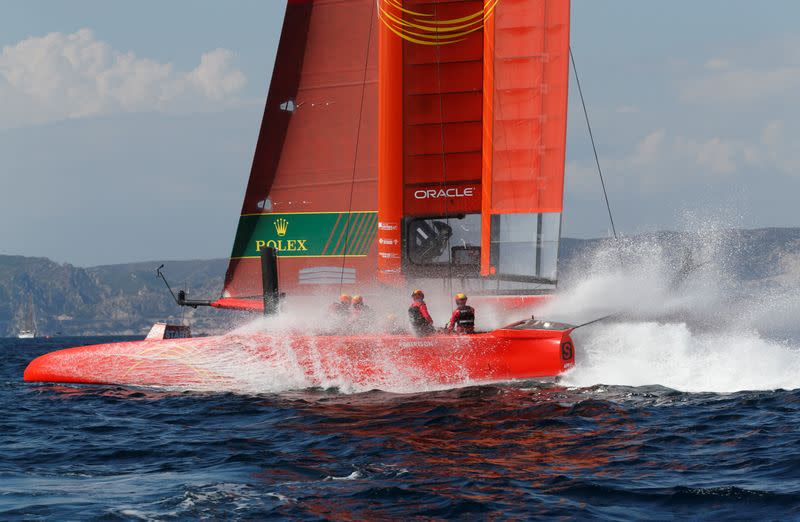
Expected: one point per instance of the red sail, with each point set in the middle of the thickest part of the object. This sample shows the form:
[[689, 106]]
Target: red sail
[[312, 192], [481, 137], [526, 59], [450, 151]]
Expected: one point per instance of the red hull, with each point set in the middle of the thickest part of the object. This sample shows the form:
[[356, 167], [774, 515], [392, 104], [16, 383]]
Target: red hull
[[373, 361]]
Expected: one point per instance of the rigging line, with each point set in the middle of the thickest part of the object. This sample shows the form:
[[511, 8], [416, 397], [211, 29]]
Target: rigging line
[[444, 155], [355, 154], [591, 137]]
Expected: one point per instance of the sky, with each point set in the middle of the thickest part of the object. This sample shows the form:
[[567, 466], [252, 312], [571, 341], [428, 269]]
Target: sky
[[127, 129]]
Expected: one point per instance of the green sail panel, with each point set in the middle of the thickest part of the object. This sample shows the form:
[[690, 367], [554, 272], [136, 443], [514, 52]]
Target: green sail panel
[[306, 234]]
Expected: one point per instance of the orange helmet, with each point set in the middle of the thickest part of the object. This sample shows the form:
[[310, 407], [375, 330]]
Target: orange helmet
[[418, 293], [344, 298], [461, 297], [357, 299]]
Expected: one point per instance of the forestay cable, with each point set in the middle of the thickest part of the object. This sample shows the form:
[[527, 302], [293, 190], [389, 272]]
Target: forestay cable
[[591, 137]]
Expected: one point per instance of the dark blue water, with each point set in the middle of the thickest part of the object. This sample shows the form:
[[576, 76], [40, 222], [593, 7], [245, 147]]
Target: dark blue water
[[515, 451]]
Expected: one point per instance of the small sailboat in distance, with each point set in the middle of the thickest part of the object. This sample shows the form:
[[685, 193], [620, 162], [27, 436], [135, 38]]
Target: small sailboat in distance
[[28, 329], [405, 144]]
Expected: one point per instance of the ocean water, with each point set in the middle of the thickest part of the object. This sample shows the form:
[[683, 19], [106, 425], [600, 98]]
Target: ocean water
[[684, 405], [515, 450]]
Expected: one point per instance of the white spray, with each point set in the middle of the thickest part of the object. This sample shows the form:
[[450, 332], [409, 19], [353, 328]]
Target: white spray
[[702, 330]]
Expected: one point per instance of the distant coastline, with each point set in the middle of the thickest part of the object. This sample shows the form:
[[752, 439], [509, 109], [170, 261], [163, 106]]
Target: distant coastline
[[126, 299]]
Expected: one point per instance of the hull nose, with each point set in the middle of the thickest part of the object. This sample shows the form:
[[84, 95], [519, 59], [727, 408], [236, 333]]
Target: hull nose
[[43, 369]]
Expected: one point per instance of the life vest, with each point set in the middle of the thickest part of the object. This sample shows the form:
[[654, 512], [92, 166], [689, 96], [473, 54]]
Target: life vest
[[464, 319], [421, 324]]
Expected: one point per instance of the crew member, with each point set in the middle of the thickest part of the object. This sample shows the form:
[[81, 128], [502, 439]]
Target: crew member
[[360, 312], [463, 318], [341, 308], [421, 320]]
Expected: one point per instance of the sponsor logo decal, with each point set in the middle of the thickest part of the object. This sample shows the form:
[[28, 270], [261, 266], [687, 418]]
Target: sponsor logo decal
[[467, 192], [417, 344], [289, 245], [567, 351], [280, 226], [306, 234]]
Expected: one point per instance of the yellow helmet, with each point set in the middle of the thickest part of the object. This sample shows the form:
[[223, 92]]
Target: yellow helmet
[[461, 296], [357, 299], [418, 293]]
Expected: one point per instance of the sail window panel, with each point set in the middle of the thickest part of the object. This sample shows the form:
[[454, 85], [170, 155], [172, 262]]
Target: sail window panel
[[440, 241], [447, 139], [525, 245], [446, 77], [455, 107], [426, 169]]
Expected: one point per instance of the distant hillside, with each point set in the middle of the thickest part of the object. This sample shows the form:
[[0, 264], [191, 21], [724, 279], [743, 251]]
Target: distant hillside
[[128, 298], [113, 299]]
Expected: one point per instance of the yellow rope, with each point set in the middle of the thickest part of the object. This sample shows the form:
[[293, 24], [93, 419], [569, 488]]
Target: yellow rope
[[456, 29]]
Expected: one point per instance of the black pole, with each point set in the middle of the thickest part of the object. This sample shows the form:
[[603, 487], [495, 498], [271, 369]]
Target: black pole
[[269, 280]]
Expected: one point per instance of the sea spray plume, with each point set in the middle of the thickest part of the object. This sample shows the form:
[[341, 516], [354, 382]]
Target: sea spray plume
[[269, 359], [652, 276], [704, 334]]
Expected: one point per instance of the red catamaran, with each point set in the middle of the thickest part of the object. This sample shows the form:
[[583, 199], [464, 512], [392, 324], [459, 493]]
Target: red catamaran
[[405, 143]]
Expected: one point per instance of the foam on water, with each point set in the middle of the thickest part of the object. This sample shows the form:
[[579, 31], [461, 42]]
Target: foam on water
[[671, 355], [706, 332]]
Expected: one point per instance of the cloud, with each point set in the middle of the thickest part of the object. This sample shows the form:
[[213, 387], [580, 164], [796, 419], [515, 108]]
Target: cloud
[[742, 85], [649, 150], [715, 155], [65, 76], [754, 72]]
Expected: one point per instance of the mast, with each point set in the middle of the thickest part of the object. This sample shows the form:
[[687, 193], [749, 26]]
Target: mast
[[390, 153]]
